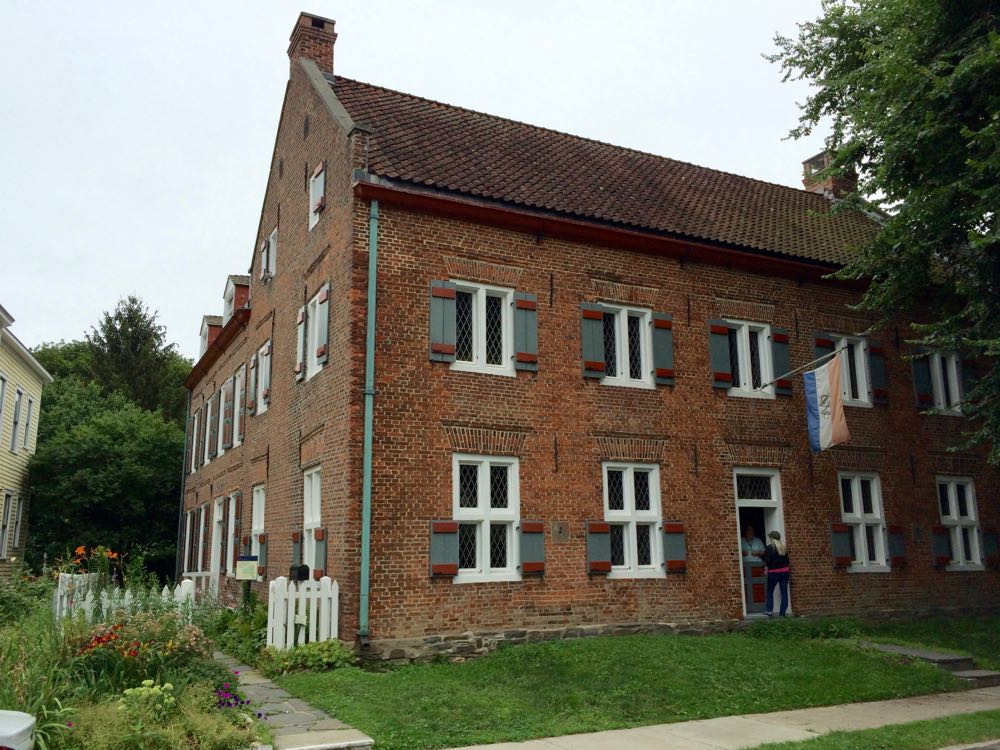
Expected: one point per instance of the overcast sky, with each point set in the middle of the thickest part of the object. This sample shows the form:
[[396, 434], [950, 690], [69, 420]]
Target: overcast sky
[[135, 138]]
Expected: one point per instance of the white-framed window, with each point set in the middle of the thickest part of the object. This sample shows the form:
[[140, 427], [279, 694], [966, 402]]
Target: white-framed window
[[18, 520], [759, 488], [628, 346], [218, 535], [257, 498], [269, 256], [861, 509], [317, 194], [957, 503], [29, 409], [486, 504], [239, 417], [750, 362], [632, 510], [263, 377], [312, 334], [18, 405], [227, 544], [312, 513], [946, 379], [195, 426], [8, 502], [855, 384], [189, 519], [484, 330], [199, 563]]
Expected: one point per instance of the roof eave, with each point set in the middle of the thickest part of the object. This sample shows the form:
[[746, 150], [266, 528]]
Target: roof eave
[[229, 332]]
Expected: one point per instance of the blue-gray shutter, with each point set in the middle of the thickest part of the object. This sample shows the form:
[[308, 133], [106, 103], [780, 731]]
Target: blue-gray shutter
[[968, 377], [525, 331], [300, 344], [674, 547], [532, 548], [214, 426], [782, 360], [897, 546], [188, 447], [442, 321], [823, 344], [879, 374], [598, 547], [718, 351], [296, 548], [991, 548], [322, 324], [262, 555], [245, 544], [840, 544], [319, 559], [940, 545], [592, 339], [663, 348], [444, 549], [923, 387], [234, 541]]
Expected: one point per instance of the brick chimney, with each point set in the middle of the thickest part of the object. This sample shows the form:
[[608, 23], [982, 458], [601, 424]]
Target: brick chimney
[[313, 38], [831, 186]]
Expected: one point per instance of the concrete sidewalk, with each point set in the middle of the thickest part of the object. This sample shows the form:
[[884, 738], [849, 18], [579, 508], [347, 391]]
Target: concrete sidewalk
[[734, 732]]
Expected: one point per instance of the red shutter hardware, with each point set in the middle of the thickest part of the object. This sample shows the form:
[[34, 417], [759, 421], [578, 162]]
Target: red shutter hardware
[[725, 377], [296, 536], [319, 534], [781, 338], [525, 357], [719, 330], [262, 538], [445, 527], [260, 571], [532, 527], [662, 323], [319, 169], [533, 567], [324, 295], [593, 314], [320, 204], [664, 372], [526, 304], [317, 574], [443, 292], [321, 350], [444, 570], [443, 348], [783, 383], [593, 366]]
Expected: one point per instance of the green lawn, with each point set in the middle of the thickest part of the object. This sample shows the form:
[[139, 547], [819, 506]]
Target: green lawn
[[977, 636], [592, 684], [920, 735]]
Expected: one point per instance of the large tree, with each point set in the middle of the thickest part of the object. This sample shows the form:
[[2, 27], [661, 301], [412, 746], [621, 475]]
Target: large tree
[[911, 90], [130, 353]]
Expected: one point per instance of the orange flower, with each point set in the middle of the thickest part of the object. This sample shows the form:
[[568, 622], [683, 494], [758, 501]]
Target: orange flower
[[81, 550], [111, 555]]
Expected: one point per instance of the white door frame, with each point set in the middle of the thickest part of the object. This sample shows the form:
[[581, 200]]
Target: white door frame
[[774, 519], [216, 556]]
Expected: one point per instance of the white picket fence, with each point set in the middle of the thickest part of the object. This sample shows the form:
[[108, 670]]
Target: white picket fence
[[74, 595], [306, 612]]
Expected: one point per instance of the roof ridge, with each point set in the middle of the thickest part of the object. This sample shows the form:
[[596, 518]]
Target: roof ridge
[[331, 79]]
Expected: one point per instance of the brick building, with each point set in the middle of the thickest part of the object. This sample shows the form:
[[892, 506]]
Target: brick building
[[553, 407]]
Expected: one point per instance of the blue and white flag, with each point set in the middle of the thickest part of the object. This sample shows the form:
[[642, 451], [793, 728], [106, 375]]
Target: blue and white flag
[[825, 407]]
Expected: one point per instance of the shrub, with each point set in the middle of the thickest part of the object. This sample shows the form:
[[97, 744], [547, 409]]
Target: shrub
[[319, 657], [239, 632], [21, 594], [799, 628]]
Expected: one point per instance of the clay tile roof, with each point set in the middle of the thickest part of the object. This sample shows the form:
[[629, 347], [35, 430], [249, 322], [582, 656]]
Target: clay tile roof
[[453, 149]]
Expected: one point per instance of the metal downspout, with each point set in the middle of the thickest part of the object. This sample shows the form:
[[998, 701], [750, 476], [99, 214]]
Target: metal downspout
[[178, 567], [366, 479]]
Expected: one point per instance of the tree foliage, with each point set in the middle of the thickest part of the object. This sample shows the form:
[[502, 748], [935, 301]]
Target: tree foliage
[[107, 473], [130, 353], [911, 89]]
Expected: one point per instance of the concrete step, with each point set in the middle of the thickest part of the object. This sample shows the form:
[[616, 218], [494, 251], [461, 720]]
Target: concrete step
[[978, 678], [951, 662], [331, 739]]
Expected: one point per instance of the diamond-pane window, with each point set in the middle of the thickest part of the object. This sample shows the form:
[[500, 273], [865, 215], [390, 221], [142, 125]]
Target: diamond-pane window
[[616, 490], [753, 487], [498, 545], [468, 486], [467, 546], [640, 481], [494, 330], [498, 486], [617, 534], [643, 544], [634, 347], [734, 356], [610, 345], [463, 327]]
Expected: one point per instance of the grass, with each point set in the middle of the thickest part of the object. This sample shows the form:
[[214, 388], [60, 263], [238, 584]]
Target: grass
[[920, 735], [977, 636], [587, 685]]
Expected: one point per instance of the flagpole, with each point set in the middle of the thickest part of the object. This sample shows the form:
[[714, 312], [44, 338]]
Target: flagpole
[[800, 369]]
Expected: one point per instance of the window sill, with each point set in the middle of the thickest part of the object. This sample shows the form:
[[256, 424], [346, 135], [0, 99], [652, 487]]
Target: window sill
[[508, 372], [964, 568], [859, 404], [743, 393], [475, 577], [623, 383], [623, 574], [869, 569]]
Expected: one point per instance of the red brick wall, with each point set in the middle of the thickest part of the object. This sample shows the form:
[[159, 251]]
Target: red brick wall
[[567, 425]]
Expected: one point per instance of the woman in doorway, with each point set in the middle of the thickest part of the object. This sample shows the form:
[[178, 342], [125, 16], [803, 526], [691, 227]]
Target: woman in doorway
[[776, 559]]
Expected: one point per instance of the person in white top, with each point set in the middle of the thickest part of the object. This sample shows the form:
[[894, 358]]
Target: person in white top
[[752, 547]]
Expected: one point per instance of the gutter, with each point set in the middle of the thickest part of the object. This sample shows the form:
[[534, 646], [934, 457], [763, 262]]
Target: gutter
[[366, 476], [178, 567]]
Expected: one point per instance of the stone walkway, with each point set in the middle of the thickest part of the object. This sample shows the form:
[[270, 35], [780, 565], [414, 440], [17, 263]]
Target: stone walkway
[[737, 732], [295, 724]]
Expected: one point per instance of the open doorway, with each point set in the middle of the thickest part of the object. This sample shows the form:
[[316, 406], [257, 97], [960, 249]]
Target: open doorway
[[758, 506]]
